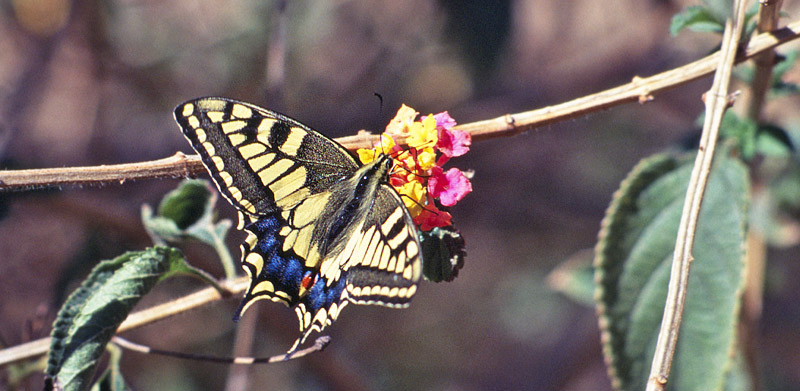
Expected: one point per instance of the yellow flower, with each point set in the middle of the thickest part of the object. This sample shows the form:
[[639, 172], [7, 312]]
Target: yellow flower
[[383, 146], [386, 143], [423, 134], [366, 155], [414, 194], [426, 158], [400, 123]]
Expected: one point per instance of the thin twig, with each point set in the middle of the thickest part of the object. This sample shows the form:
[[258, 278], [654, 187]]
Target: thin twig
[[768, 14], [756, 257], [136, 319], [178, 165], [319, 344], [639, 90], [716, 100]]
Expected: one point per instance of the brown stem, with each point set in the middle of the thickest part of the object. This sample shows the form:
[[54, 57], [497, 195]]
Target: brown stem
[[639, 90], [717, 101]]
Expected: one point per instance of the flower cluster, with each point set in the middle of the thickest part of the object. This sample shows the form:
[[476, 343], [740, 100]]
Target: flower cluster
[[418, 175]]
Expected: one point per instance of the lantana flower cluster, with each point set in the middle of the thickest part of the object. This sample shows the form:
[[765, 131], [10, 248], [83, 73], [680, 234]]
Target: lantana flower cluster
[[418, 175]]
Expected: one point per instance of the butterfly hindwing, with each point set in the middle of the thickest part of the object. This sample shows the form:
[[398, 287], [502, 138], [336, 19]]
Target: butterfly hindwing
[[384, 268], [379, 264], [322, 230]]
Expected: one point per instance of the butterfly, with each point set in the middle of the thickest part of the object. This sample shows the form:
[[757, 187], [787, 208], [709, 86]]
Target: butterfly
[[323, 230]]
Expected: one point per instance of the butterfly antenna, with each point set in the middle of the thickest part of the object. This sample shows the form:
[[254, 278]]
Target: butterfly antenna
[[319, 344], [380, 104]]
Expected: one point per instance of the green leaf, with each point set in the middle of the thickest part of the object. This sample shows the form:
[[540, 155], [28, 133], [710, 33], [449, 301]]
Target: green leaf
[[575, 278], [443, 253], [187, 204], [111, 379], [91, 315], [787, 63], [785, 191], [742, 131], [779, 86], [632, 266], [188, 212], [773, 141], [696, 18], [721, 9]]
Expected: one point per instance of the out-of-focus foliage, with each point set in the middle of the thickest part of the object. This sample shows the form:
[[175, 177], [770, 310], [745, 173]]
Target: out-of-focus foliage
[[95, 83]]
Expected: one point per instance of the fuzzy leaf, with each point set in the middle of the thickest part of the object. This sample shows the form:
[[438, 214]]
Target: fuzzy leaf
[[696, 18], [111, 379], [187, 204], [91, 315], [187, 211], [632, 264], [773, 141], [575, 278]]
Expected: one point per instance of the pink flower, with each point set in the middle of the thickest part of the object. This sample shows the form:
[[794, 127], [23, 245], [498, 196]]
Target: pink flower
[[453, 142], [449, 187], [444, 120]]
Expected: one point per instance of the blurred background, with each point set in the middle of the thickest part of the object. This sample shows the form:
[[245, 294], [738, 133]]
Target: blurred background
[[95, 82]]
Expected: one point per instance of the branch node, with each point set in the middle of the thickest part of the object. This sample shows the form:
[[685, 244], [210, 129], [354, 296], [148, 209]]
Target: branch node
[[510, 121]]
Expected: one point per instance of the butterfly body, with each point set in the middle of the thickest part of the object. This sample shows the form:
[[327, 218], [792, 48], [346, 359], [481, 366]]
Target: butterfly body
[[322, 229]]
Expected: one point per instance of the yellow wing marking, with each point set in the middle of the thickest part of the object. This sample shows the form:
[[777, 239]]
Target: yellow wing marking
[[193, 122], [269, 174], [263, 286], [256, 260], [251, 240], [303, 242], [373, 254], [227, 178], [393, 261], [408, 273], [233, 126], [188, 109], [309, 209], [253, 149], [236, 139], [236, 194], [289, 184], [218, 163], [290, 239], [215, 116], [396, 264], [241, 111], [387, 225], [264, 131], [209, 148], [401, 237], [247, 205], [201, 135], [293, 141], [385, 255], [293, 199]]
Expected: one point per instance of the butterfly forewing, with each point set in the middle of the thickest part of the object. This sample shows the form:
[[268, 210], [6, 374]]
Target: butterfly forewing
[[260, 159], [322, 230]]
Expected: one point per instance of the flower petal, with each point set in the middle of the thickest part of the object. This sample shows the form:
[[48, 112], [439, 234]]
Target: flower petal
[[448, 187], [453, 142], [431, 217], [444, 120], [400, 123]]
